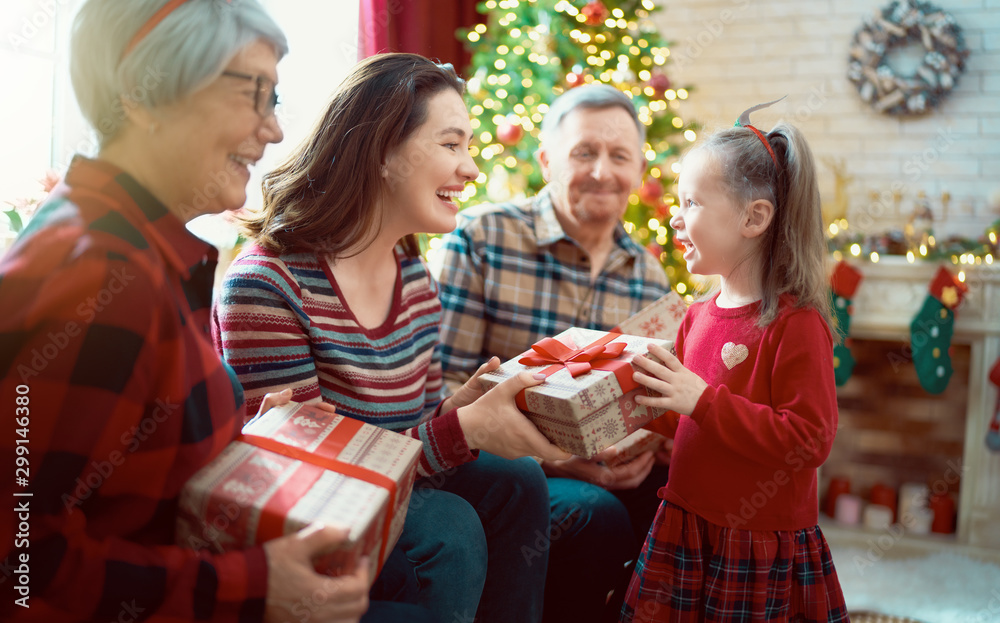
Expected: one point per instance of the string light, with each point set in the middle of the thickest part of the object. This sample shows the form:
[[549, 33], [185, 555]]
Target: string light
[[517, 68]]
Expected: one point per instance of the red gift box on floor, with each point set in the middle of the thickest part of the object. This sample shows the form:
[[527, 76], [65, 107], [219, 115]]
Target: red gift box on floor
[[296, 465], [587, 401]]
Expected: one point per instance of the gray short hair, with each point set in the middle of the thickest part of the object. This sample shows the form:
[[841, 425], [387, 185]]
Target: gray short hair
[[595, 95], [181, 55]]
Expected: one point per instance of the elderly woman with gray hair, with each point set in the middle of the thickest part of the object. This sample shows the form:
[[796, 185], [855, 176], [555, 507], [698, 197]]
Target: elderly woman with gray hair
[[105, 346]]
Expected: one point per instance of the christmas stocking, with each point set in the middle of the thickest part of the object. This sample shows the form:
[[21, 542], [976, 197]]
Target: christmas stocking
[[931, 331], [843, 283], [993, 434]]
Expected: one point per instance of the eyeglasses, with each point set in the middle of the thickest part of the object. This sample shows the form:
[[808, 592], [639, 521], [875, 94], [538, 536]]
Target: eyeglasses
[[264, 98]]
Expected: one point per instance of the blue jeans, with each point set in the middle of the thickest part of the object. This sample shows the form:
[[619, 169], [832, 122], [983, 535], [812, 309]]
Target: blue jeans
[[469, 534], [390, 612], [595, 536]]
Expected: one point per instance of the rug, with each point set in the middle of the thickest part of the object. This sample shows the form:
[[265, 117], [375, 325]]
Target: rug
[[867, 616], [941, 587]]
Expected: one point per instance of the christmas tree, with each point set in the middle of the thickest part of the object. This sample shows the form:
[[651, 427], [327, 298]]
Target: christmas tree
[[529, 52]]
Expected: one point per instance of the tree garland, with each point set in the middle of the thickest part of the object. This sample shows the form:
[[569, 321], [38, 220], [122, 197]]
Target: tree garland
[[901, 23]]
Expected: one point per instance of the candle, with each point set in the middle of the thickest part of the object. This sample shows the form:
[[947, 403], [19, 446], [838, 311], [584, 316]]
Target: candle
[[912, 499], [884, 495], [877, 517], [848, 509], [943, 507], [920, 521], [838, 486]]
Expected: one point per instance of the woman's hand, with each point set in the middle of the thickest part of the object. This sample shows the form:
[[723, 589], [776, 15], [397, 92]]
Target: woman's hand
[[472, 390], [294, 588], [277, 399], [679, 388], [494, 423], [625, 476]]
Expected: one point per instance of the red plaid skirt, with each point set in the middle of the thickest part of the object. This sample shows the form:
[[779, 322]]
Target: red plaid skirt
[[693, 570]]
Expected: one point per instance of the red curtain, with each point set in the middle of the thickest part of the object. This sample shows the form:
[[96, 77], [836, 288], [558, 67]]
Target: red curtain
[[424, 27]]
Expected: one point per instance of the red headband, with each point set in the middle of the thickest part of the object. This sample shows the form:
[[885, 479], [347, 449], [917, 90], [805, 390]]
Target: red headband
[[744, 122], [152, 23], [763, 139]]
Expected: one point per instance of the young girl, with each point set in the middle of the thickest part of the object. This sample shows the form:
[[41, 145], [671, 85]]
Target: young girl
[[735, 538]]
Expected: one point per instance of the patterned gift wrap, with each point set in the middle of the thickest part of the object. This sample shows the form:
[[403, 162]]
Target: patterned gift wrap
[[660, 319], [635, 444], [296, 465], [586, 412]]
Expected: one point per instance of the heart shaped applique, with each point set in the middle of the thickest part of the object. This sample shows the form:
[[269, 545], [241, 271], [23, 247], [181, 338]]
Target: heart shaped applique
[[733, 354]]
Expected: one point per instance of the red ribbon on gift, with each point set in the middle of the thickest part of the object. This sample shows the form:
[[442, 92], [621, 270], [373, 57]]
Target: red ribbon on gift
[[272, 519], [598, 355]]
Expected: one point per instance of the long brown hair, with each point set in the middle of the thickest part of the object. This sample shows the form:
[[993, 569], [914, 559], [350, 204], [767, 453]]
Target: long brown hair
[[793, 249], [325, 196]]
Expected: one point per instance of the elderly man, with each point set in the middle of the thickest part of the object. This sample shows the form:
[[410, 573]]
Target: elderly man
[[516, 272]]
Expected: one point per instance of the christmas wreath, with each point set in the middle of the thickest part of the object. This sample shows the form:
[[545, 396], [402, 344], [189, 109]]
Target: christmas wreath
[[901, 24]]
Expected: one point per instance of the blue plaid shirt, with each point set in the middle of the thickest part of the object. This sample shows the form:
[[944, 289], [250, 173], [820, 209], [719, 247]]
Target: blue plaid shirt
[[510, 276]]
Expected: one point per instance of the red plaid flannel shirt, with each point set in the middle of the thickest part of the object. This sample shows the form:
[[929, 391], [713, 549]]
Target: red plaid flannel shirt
[[105, 347]]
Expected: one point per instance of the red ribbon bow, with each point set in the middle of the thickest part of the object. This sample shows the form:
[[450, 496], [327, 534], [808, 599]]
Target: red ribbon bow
[[576, 360]]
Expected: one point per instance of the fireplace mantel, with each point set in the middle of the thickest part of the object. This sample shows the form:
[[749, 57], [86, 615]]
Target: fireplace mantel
[[893, 289], [887, 299]]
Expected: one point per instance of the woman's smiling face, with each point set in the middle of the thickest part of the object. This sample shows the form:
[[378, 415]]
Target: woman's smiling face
[[430, 169]]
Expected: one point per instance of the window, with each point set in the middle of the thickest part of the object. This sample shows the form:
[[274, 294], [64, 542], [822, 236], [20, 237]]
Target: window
[[44, 124]]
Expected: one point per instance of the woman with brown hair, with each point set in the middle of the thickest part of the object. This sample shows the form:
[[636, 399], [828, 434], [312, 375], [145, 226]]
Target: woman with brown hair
[[334, 301]]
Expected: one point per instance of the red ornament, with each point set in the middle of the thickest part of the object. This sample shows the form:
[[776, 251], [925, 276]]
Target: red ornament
[[660, 83], [651, 191], [662, 211], [574, 79], [595, 13], [655, 249], [509, 133]]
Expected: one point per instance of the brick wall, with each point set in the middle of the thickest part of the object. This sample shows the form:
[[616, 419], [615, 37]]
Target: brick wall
[[891, 430], [736, 53]]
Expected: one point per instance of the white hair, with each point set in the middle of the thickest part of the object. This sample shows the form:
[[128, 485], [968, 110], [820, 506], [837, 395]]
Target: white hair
[[595, 95], [181, 55]]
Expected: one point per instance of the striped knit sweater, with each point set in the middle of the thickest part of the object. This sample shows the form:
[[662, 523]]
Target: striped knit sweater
[[281, 321]]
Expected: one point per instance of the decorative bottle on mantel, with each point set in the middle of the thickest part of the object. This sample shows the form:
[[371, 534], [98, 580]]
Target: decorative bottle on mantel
[[920, 225]]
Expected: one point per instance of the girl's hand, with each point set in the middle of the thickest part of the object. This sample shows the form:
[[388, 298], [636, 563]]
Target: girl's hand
[[294, 588], [494, 423], [679, 388], [472, 390]]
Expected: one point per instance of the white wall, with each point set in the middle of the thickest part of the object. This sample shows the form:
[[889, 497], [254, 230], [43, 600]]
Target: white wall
[[736, 53]]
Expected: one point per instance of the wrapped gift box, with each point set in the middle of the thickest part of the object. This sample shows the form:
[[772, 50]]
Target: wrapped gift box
[[296, 465], [660, 319], [635, 444], [587, 401]]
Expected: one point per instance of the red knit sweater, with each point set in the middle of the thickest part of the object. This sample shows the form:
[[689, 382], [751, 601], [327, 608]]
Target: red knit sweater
[[747, 456]]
